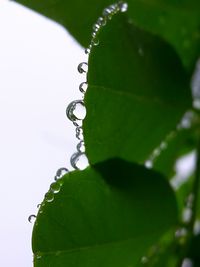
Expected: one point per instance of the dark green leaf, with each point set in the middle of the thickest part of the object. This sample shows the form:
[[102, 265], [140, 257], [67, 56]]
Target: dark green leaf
[[76, 16], [104, 217], [178, 21], [138, 92]]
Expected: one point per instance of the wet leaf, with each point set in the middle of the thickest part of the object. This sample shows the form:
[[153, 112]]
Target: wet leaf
[[104, 216], [138, 92], [178, 22]]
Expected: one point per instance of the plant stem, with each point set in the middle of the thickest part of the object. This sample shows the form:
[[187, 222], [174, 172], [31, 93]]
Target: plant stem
[[196, 189], [195, 192]]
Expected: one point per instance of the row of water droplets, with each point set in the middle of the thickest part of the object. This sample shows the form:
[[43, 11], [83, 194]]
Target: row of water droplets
[[54, 189], [76, 111]]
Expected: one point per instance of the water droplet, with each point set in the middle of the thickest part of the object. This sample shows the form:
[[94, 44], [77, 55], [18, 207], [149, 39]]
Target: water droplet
[[181, 235], [87, 51], [163, 146], [55, 187], [60, 173], [197, 227], [83, 87], [95, 40], [96, 27], [83, 67], [107, 12], [144, 260], [148, 164], [182, 232], [196, 103], [49, 196], [38, 255], [79, 161], [76, 111], [189, 201], [101, 21], [79, 133], [81, 147], [187, 215], [123, 6], [187, 263], [38, 206], [32, 218]]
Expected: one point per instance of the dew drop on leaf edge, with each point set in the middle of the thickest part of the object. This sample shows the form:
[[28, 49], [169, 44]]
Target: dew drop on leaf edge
[[76, 111], [83, 67], [32, 218]]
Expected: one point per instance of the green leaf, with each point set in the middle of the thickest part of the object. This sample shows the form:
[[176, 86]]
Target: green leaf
[[179, 144], [177, 21], [138, 92], [76, 16], [105, 216]]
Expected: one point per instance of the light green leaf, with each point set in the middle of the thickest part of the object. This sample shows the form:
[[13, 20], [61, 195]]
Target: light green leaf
[[104, 216]]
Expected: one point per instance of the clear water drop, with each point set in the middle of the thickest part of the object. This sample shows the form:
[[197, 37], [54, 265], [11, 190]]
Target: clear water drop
[[102, 21], [123, 6], [187, 215], [95, 41], [32, 218], [83, 87], [107, 12], [148, 164], [79, 133], [76, 111], [87, 50], [55, 187], [83, 67], [189, 201], [181, 235], [79, 161], [144, 260], [197, 228], [96, 27], [78, 123], [60, 173], [187, 263], [38, 255], [38, 206], [81, 147], [163, 145], [181, 232], [49, 196]]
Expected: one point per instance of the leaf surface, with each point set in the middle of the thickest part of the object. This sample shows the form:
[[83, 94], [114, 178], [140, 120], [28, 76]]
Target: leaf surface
[[138, 92], [104, 216], [177, 21]]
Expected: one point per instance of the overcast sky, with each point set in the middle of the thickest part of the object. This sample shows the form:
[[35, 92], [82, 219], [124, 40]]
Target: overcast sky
[[38, 78]]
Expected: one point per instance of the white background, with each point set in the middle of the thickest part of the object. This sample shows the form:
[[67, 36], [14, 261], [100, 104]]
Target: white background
[[38, 79]]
